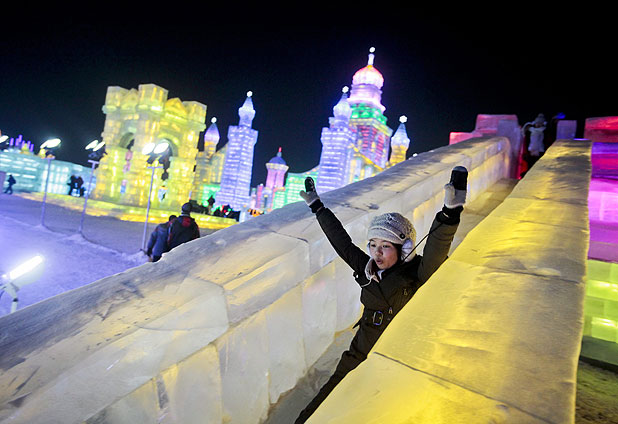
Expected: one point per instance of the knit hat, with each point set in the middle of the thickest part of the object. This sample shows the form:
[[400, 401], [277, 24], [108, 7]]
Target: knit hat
[[186, 208], [395, 228]]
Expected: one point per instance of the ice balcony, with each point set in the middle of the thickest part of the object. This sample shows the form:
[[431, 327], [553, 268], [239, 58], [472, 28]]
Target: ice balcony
[[221, 327]]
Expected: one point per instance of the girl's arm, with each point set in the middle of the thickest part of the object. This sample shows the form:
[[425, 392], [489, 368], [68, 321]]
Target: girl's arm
[[339, 238], [334, 231]]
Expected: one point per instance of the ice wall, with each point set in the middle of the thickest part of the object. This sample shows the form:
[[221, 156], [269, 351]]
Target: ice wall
[[494, 335], [220, 327]]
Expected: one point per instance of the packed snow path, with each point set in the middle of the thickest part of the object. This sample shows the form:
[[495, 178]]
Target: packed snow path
[[108, 246]]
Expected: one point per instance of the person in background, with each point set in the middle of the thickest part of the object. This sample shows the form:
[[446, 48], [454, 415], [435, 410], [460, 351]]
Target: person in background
[[71, 185], [389, 274], [11, 181], [536, 146], [157, 244], [79, 182], [183, 229]]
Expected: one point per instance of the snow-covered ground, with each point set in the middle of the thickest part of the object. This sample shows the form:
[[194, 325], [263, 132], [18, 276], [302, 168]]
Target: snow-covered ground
[[108, 246]]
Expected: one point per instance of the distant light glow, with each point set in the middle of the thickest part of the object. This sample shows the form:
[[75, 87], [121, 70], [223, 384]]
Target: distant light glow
[[92, 144], [160, 148], [148, 148], [26, 267], [213, 120], [249, 93], [51, 143], [403, 119]]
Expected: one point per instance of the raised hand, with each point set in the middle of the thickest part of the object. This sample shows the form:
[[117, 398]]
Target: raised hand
[[310, 196]]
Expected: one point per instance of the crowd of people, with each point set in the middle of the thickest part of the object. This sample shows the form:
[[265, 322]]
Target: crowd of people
[[224, 211], [76, 184], [176, 231]]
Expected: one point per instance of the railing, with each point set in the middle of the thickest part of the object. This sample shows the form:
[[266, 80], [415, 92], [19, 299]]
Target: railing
[[220, 327]]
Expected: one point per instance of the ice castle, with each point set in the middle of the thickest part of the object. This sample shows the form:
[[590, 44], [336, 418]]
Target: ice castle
[[356, 145]]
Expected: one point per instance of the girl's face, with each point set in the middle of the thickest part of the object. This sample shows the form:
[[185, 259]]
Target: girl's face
[[383, 252]]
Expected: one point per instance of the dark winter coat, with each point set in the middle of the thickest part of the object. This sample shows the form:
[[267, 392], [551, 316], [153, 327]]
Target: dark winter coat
[[384, 299], [183, 229], [157, 244]]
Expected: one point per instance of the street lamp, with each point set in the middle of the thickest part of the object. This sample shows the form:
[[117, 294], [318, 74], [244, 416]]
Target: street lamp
[[154, 151], [98, 151], [50, 146], [14, 280], [3, 139]]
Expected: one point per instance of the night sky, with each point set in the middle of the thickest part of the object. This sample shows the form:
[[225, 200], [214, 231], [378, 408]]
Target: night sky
[[439, 70]]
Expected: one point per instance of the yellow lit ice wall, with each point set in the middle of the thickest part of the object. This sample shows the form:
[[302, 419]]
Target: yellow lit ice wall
[[601, 302]]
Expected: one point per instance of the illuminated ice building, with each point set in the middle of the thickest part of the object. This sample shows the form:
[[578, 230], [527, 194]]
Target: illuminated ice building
[[272, 195], [30, 170], [236, 176], [135, 119], [209, 166], [356, 144]]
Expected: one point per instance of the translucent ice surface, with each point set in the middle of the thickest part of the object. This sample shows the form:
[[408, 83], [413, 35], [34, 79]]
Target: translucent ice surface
[[222, 327]]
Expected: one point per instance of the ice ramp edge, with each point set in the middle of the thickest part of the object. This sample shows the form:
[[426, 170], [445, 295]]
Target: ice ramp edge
[[220, 327], [495, 334]]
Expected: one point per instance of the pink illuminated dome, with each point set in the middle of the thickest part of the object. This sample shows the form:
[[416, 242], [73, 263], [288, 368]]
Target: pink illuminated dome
[[369, 74]]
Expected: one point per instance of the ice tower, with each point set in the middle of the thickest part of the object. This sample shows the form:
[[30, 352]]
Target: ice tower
[[336, 143], [399, 143], [276, 168], [367, 119], [272, 195], [236, 176], [208, 166]]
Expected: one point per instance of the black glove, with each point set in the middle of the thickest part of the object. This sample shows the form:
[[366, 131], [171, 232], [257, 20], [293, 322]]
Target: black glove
[[310, 196], [454, 196]]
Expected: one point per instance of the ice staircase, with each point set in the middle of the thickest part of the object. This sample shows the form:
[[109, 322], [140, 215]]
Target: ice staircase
[[222, 327]]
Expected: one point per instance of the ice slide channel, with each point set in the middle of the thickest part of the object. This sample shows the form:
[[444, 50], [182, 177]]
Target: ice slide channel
[[220, 328]]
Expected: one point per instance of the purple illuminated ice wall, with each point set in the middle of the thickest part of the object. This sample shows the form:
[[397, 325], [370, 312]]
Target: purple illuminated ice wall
[[603, 202]]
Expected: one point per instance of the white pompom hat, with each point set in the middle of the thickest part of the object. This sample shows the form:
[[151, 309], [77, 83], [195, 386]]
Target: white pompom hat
[[395, 228]]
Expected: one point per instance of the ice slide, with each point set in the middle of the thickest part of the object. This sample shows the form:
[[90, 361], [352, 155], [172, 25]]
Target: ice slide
[[220, 328]]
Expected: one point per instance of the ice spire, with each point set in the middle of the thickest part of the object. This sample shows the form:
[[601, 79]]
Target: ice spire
[[371, 56], [342, 109], [401, 136], [212, 133], [246, 111]]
